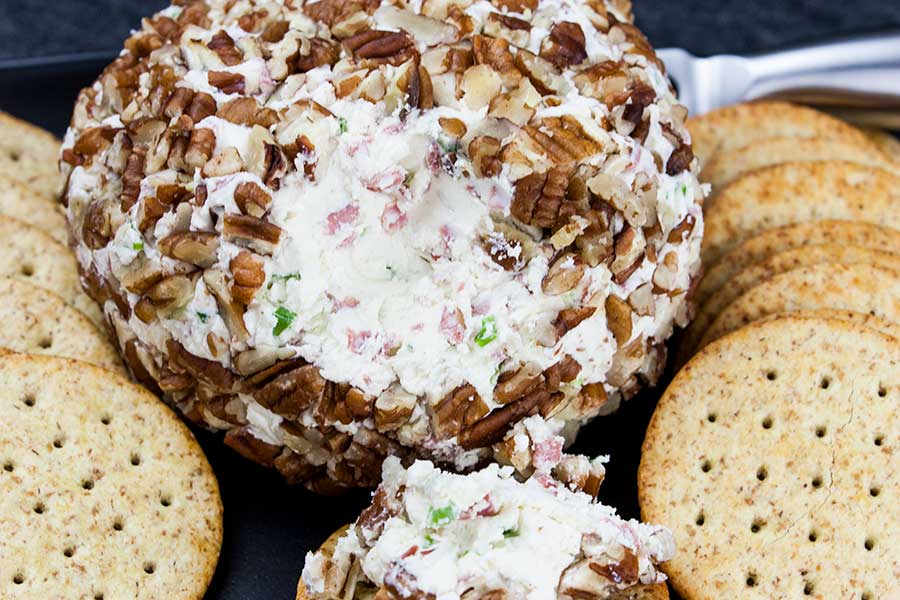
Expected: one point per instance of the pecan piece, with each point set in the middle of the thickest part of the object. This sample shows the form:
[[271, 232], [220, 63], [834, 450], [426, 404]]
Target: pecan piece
[[248, 275], [223, 45], [459, 409], [494, 426], [171, 295], [484, 151], [538, 197], [202, 105], [96, 229], [565, 46], [392, 47], [516, 6], [321, 52], [570, 318], [629, 253], [200, 149], [194, 247], [291, 393], [564, 274], [241, 111], [250, 447], [208, 371], [494, 52], [252, 199], [131, 179], [680, 159], [393, 408], [332, 12], [618, 318], [229, 83], [224, 163], [542, 73], [624, 572], [252, 232], [513, 385]]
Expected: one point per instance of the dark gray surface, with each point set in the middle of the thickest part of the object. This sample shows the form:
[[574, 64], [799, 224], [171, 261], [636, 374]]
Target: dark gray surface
[[44, 27]]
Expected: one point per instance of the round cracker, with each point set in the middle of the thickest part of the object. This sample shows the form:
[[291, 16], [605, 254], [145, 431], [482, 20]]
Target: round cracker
[[780, 239], [641, 592], [23, 203], [725, 167], [779, 263], [735, 126], [772, 457], [30, 255], [30, 155], [857, 318], [796, 193], [860, 287], [885, 141], [40, 322], [103, 492]]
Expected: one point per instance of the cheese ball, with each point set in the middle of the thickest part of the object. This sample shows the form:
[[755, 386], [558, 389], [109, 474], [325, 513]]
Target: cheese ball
[[342, 230]]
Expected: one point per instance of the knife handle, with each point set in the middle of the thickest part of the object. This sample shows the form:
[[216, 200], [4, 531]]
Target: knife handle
[[848, 75]]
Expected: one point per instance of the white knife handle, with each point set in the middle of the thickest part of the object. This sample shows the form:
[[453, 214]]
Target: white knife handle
[[862, 72]]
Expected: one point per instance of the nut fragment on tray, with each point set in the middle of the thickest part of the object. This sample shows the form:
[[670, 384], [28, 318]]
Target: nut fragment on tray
[[347, 230], [433, 534]]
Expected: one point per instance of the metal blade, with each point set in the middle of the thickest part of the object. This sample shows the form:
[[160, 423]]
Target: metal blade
[[707, 83]]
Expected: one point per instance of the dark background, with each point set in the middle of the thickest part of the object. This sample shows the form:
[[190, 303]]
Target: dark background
[[45, 27], [268, 526]]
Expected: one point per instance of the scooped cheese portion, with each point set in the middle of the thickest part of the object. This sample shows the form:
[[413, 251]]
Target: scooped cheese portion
[[447, 534]]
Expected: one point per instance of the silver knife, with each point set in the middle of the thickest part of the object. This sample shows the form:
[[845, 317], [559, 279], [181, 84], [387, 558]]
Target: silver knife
[[856, 78]]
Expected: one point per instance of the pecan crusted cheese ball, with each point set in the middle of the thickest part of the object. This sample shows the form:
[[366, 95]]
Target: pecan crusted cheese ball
[[430, 535], [342, 230]]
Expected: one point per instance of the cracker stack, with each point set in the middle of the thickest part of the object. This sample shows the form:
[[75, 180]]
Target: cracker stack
[[772, 454], [104, 493], [804, 216]]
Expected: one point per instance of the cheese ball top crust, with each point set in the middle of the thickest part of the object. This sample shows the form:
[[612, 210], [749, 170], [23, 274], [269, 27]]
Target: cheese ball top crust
[[433, 535], [341, 230]]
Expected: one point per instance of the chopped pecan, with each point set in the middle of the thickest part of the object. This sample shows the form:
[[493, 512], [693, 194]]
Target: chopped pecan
[[231, 312], [294, 468], [538, 197], [666, 274], [479, 85], [565, 46], [503, 251], [140, 363], [516, 6], [459, 409], [393, 408], [484, 152], [195, 247], [629, 253], [200, 148], [642, 300], [623, 572], [332, 12], [202, 105], [618, 318], [224, 163], [392, 47], [171, 295], [517, 31], [680, 159], [131, 179], [494, 52], [248, 274], [207, 371], [564, 371], [223, 45], [229, 83], [494, 426], [320, 52], [634, 208], [241, 111], [564, 275], [513, 385], [96, 230], [255, 233], [518, 105], [543, 74], [291, 393], [640, 96], [252, 199], [605, 81], [570, 318], [94, 140], [250, 447]]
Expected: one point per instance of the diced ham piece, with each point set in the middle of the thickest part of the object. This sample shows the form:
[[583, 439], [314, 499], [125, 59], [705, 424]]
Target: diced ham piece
[[339, 218], [356, 340], [453, 325], [393, 219]]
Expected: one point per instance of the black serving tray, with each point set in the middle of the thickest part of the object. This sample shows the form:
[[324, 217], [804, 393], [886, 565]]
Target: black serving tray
[[270, 526]]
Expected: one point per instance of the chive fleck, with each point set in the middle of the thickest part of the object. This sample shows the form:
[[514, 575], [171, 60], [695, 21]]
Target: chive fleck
[[342, 123], [202, 316], [439, 517], [488, 331], [510, 533], [283, 318], [138, 246]]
